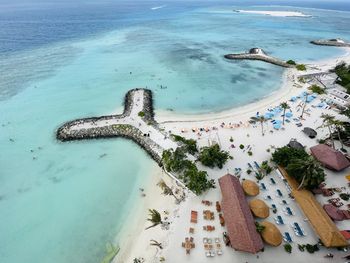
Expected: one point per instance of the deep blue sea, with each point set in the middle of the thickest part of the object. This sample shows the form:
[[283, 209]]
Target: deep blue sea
[[62, 202]]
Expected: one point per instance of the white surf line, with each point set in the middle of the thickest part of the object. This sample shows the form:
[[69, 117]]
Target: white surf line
[[158, 7]]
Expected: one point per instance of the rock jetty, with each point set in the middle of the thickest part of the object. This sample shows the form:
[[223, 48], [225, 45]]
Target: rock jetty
[[336, 42], [259, 54], [135, 123]]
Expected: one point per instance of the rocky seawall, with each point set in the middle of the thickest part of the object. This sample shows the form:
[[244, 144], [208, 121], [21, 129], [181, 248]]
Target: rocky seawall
[[330, 43], [67, 133], [264, 58]]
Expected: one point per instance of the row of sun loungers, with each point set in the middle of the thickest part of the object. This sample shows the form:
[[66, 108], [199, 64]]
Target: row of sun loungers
[[209, 228]]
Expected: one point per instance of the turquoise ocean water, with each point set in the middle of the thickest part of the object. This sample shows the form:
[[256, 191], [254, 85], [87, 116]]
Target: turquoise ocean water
[[61, 202]]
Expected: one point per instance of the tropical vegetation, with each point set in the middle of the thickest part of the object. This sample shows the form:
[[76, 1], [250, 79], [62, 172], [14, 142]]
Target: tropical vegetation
[[317, 89], [307, 172], [283, 156], [166, 189], [299, 165], [141, 114], [284, 106], [343, 72], [177, 162], [288, 248], [154, 217], [190, 145], [291, 62], [259, 228], [301, 67], [213, 156], [260, 119]]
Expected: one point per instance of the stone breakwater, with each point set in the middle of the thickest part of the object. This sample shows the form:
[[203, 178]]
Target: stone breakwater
[[332, 43], [264, 58], [135, 123]]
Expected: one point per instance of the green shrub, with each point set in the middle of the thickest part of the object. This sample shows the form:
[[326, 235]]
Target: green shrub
[[249, 171], [141, 114], [213, 156], [250, 153], [317, 89], [291, 62], [241, 146], [231, 139], [301, 67], [282, 156], [288, 248]]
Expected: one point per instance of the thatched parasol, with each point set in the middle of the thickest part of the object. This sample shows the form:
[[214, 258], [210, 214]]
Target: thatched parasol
[[250, 188], [259, 208], [271, 235]]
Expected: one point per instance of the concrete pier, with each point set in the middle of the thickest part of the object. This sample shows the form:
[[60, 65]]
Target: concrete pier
[[259, 54]]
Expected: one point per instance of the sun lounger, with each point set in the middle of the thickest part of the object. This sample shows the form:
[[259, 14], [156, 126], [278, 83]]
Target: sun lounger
[[207, 253], [218, 207], [183, 244], [191, 230], [205, 240], [219, 252]]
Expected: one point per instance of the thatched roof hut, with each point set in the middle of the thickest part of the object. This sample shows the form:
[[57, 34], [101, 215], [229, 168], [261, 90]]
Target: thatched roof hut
[[239, 220], [250, 188], [318, 218], [271, 234], [259, 208], [329, 157]]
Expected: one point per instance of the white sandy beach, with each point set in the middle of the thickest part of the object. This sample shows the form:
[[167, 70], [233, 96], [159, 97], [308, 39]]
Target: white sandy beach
[[275, 13], [135, 239]]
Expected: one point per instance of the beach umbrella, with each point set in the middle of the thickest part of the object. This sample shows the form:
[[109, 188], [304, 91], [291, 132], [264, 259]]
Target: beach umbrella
[[321, 105], [250, 188], [289, 114], [259, 208], [271, 234], [277, 126]]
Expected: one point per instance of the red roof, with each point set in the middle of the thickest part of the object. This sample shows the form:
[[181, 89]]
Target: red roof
[[333, 212], [238, 217], [329, 157], [346, 234]]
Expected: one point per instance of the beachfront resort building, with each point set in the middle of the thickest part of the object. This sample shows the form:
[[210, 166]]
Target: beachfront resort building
[[239, 220]]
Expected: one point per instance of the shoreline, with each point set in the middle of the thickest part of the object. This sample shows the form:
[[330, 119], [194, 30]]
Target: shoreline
[[137, 240], [282, 93]]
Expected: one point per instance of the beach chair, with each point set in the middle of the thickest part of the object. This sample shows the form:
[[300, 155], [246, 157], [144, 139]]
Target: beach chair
[[183, 244], [191, 230]]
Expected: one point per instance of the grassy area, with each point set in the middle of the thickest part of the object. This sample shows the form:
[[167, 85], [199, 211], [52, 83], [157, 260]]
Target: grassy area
[[343, 72]]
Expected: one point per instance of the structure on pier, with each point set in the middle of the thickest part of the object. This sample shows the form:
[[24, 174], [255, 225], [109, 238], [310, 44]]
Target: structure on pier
[[335, 42], [259, 54]]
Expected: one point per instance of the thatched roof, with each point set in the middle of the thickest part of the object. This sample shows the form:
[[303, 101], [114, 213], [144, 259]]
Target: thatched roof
[[310, 132], [318, 218], [271, 234], [250, 188], [259, 208], [329, 157], [295, 144], [238, 218]]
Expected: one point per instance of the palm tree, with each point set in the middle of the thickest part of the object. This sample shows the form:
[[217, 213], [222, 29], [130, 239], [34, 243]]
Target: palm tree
[[339, 126], [328, 122], [260, 119], [155, 218], [284, 106], [156, 243], [302, 112], [307, 172], [166, 189]]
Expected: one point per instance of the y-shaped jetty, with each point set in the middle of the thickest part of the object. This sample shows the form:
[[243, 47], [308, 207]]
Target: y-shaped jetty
[[136, 123], [259, 54], [336, 42]]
